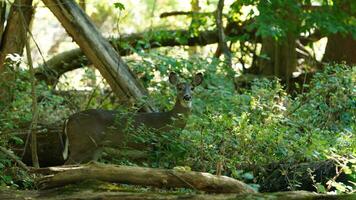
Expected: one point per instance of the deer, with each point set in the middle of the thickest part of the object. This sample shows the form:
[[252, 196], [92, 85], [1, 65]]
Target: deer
[[88, 131]]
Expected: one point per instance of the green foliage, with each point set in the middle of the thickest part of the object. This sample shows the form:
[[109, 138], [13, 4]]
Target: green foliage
[[13, 176], [259, 126], [18, 111], [276, 18], [16, 116]]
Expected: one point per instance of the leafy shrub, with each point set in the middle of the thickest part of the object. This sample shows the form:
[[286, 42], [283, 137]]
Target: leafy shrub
[[261, 125]]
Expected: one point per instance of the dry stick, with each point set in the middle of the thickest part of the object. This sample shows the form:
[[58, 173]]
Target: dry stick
[[34, 155], [14, 158], [92, 94], [188, 13]]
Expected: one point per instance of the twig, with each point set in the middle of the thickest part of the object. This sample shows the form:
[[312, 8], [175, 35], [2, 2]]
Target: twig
[[14, 158], [34, 97], [92, 94], [189, 13]]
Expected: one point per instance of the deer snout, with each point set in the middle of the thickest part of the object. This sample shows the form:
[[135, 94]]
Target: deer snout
[[187, 97]]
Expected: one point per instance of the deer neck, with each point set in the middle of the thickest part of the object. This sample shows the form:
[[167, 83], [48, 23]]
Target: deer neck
[[179, 110]]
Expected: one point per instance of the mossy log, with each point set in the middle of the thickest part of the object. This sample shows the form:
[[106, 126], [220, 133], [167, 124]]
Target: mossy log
[[143, 176], [65, 194]]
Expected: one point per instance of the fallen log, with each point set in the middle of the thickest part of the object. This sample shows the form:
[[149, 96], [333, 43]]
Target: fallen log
[[86, 194], [144, 177]]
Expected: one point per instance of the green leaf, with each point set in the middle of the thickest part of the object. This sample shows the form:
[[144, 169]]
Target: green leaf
[[320, 188], [17, 140], [119, 5]]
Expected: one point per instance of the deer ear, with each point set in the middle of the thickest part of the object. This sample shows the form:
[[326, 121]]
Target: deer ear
[[173, 78], [198, 79]]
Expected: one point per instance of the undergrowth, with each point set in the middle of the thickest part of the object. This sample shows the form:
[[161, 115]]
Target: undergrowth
[[249, 128]]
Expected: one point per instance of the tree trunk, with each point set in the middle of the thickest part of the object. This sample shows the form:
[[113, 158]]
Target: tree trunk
[[222, 45], [279, 58], [99, 51], [2, 18], [145, 177], [340, 48], [194, 4], [13, 40]]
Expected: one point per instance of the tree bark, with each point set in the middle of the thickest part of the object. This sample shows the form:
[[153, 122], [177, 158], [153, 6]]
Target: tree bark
[[2, 18], [279, 57], [340, 48], [13, 40], [222, 46], [99, 51], [144, 176]]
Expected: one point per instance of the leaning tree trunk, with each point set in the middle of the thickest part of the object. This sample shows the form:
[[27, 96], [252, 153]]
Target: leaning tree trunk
[[281, 58], [98, 50]]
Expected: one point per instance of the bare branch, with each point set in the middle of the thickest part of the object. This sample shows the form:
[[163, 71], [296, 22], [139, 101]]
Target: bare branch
[[187, 13], [14, 158]]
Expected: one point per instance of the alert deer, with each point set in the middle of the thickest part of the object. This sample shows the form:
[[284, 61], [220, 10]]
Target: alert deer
[[88, 131]]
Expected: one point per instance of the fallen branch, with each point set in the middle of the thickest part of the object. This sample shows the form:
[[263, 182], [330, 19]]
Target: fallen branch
[[14, 158], [144, 177]]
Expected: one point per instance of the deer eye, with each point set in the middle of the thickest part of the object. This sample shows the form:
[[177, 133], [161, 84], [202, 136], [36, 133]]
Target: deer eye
[[192, 88]]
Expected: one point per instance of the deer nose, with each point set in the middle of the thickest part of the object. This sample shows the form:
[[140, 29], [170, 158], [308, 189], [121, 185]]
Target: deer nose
[[187, 97]]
